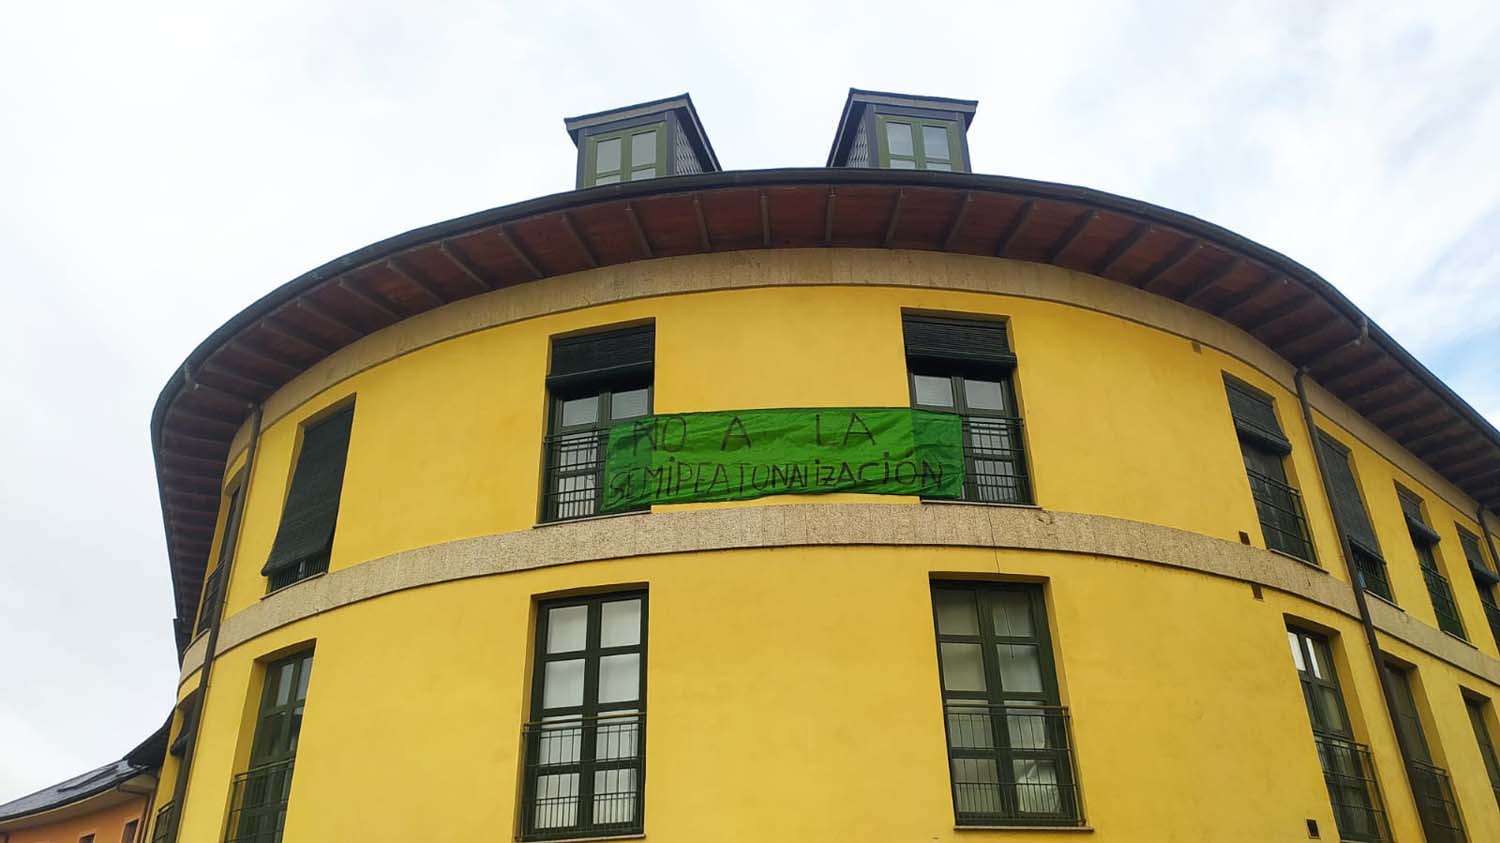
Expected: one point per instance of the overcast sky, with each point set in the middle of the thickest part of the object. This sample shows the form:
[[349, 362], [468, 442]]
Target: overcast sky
[[164, 164]]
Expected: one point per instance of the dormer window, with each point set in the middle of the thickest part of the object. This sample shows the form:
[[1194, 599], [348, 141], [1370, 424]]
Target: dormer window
[[646, 141], [900, 132]]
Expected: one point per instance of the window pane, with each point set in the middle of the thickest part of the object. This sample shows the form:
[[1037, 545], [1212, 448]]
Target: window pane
[[562, 684], [935, 144], [283, 681], [580, 411], [963, 667], [1317, 655], [556, 801], [898, 139], [969, 726], [567, 627], [302, 677], [976, 786], [1020, 667], [933, 391], [1012, 613], [938, 165], [628, 404], [955, 613], [560, 744], [1025, 731], [1332, 719], [643, 148], [610, 179], [643, 173], [614, 796], [607, 156], [903, 164], [619, 678], [617, 737], [620, 624], [984, 395], [1291, 640], [1036, 786]]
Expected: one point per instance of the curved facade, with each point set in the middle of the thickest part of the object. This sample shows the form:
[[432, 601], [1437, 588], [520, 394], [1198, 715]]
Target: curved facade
[[1100, 647]]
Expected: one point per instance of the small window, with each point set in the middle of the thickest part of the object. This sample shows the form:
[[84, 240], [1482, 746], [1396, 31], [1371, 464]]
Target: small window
[[1348, 769], [1479, 715], [128, 835], [1009, 738], [259, 796], [1264, 447], [1430, 783], [594, 381], [965, 366], [909, 143], [627, 155], [87, 838], [1424, 541], [304, 538], [1485, 580], [585, 743]]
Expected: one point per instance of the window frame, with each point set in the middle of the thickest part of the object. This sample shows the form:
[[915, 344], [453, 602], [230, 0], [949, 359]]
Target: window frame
[[626, 136], [919, 158], [981, 595], [263, 791], [1264, 454], [213, 582], [603, 393], [592, 715], [317, 563], [1424, 543]]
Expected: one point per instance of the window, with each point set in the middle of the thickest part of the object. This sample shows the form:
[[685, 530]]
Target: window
[[626, 155], [259, 796], [1009, 743], [1424, 540], [128, 835], [164, 829], [1484, 580], [909, 143], [965, 366], [1343, 492], [213, 585], [87, 838], [585, 743], [1348, 770], [1487, 751], [1430, 785], [594, 380], [305, 537], [1264, 448]]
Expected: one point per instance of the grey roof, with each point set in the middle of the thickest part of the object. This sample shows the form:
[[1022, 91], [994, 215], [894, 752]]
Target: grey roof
[[148, 755]]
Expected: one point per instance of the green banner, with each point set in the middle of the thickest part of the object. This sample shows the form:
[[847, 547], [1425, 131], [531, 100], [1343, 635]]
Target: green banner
[[738, 455]]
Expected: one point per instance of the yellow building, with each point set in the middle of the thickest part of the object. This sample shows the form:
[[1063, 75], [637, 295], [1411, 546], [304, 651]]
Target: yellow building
[[881, 501]]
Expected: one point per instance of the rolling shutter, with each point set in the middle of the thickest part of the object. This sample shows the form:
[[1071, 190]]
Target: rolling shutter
[[1255, 418], [1344, 492], [1470, 544], [983, 346], [605, 356], [312, 504], [1411, 507]]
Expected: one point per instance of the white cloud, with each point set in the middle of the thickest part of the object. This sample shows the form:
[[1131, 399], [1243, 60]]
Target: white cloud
[[165, 164]]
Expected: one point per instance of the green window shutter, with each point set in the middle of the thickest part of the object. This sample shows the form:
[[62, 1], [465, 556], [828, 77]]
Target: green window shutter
[[1470, 544], [312, 504], [980, 345], [1411, 507], [1255, 418], [1344, 492], [602, 356]]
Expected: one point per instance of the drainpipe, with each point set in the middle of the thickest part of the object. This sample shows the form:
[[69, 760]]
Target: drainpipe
[[179, 788], [1346, 552]]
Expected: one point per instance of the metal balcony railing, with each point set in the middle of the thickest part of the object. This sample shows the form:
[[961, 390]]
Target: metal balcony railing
[[1350, 775], [257, 806], [995, 460], [1442, 601], [1282, 517], [163, 830], [584, 776], [1012, 765], [1435, 803], [575, 474]]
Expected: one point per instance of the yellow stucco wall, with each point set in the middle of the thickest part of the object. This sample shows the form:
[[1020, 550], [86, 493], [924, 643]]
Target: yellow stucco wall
[[793, 692]]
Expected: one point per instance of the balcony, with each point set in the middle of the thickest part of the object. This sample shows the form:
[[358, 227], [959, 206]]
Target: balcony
[[1282, 517], [995, 460], [1435, 804], [163, 831], [584, 777], [1350, 775], [1012, 765], [257, 807], [1442, 602]]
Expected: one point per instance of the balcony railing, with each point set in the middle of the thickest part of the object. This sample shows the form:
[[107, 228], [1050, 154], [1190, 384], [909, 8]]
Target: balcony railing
[[1435, 803], [1442, 602], [257, 807], [584, 776], [1012, 765], [164, 829], [995, 460], [1282, 517], [1353, 790]]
